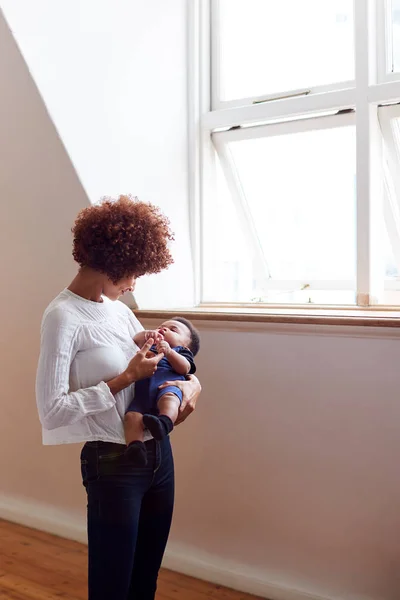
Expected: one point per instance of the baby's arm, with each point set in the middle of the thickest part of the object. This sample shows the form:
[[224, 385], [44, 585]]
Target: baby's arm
[[179, 363], [141, 338]]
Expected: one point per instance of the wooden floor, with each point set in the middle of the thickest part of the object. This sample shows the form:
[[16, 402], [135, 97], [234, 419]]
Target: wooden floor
[[38, 566]]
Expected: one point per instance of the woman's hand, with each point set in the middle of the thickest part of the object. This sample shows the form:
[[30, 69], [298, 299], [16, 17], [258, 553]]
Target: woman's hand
[[191, 389], [140, 366]]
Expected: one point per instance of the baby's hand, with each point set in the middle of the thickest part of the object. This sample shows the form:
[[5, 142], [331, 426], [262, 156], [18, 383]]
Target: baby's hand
[[156, 335], [163, 347]]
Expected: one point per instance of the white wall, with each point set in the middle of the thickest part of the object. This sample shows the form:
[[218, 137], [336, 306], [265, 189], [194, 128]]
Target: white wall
[[113, 76]]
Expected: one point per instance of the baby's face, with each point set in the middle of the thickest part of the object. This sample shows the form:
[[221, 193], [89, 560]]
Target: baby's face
[[175, 333]]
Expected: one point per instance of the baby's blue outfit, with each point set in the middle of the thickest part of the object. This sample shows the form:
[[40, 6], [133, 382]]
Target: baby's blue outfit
[[147, 393]]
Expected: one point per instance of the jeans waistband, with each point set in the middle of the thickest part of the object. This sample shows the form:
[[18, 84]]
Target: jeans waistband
[[111, 445]]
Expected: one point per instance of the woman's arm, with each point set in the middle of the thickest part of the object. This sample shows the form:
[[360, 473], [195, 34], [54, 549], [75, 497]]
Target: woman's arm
[[57, 406], [191, 389], [139, 367]]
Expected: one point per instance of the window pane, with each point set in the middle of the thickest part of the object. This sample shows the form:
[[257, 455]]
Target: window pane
[[395, 36], [390, 236], [391, 294], [227, 258], [269, 46], [300, 192]]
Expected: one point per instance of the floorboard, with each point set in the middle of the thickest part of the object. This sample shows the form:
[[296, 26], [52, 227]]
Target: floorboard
[[38, 566]]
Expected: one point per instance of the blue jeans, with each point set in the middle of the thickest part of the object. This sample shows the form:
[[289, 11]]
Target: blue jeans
[[128, 519]]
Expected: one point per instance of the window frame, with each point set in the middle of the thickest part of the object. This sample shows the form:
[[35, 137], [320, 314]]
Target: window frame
[[212, 119]]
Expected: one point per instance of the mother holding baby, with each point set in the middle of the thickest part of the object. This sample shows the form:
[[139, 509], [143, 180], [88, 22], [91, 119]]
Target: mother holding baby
[[87, 369]]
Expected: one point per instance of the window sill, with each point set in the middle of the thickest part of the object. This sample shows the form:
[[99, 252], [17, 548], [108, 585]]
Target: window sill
[[357, 317]]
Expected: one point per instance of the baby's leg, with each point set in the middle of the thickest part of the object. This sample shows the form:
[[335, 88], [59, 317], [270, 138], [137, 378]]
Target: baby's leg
[[133, 427], [168, 405], [134, 436], [168, 408]]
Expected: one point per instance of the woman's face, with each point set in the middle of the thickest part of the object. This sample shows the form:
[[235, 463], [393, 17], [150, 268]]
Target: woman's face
[[115, 290]]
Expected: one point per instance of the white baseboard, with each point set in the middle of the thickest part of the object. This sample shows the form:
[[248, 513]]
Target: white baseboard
[[196, 563], [180, 558], [43, 517]]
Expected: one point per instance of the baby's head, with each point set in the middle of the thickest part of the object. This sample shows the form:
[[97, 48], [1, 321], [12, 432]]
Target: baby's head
[[180, 332]]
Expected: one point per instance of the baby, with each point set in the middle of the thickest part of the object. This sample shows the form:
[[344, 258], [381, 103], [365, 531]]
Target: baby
[[152, 408]]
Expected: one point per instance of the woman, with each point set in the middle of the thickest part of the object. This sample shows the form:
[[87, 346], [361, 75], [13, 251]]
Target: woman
[[87, 369]]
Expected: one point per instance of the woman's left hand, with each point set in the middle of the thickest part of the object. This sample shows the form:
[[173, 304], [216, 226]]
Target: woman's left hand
[[191, 389]]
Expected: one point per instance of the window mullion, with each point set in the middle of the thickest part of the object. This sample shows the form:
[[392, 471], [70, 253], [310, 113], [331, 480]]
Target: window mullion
[[369, 151]]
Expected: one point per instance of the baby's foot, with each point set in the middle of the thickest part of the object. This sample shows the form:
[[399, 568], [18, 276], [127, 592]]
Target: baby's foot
[[137, 453], [159, 427]]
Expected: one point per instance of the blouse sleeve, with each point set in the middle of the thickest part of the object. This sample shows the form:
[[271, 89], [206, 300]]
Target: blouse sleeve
[[57, 406]]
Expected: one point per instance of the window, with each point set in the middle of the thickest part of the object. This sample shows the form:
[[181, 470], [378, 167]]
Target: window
[[268, 46], [300, 153], [289, 218]]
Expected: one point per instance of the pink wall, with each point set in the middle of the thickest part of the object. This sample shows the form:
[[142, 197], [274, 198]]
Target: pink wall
[[288, 469], [40, 196], [290, 465]]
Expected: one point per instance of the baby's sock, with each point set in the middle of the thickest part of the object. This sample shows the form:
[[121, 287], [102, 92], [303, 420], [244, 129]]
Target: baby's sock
[[137, 453], [159, 427]]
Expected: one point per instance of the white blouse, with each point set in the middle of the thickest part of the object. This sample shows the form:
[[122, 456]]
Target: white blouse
[[83, 345]]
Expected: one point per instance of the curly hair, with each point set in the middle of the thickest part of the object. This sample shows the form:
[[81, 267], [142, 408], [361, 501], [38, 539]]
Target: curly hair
[[122, 238], [194, 345]]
